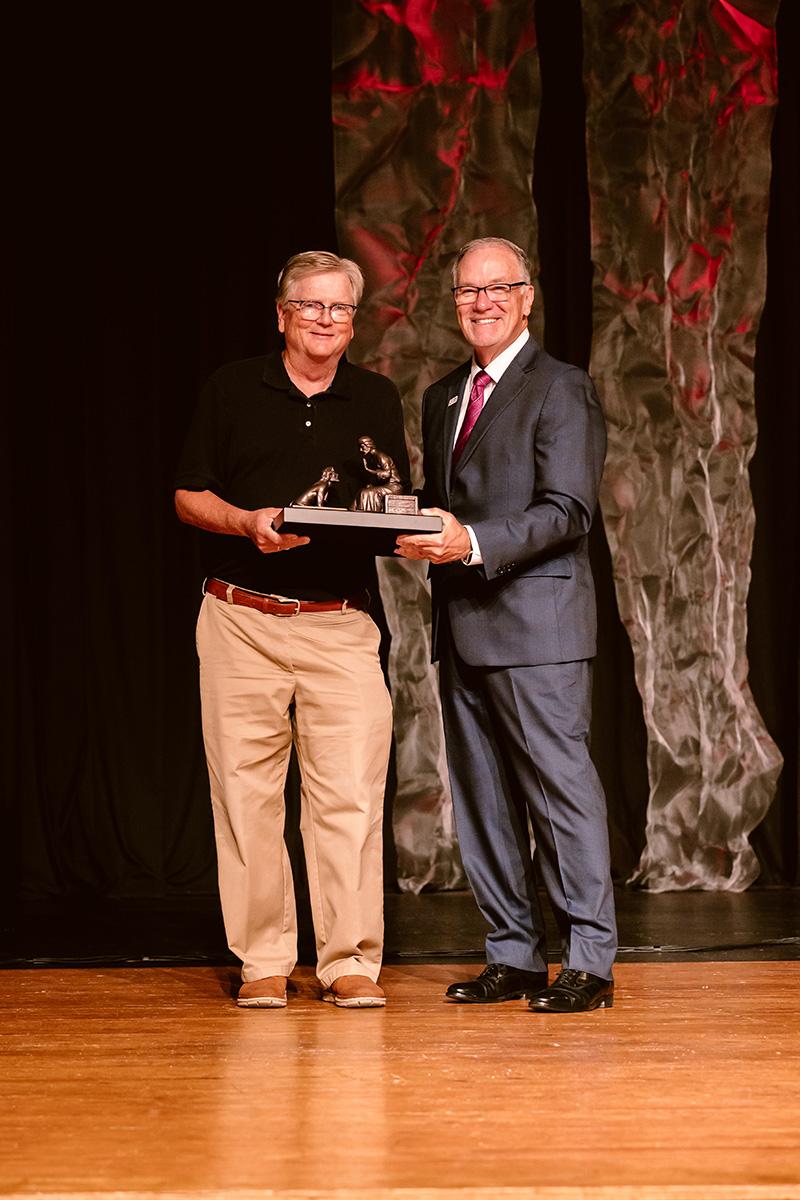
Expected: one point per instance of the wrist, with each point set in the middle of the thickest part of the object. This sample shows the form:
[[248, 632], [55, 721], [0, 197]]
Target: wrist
[[245, 522]]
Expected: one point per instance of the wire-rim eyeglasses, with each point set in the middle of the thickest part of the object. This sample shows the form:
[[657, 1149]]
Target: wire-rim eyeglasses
[[312, 310]]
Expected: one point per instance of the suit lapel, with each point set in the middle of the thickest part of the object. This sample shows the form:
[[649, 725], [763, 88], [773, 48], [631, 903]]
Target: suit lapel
[[513, 381], [455, 389]]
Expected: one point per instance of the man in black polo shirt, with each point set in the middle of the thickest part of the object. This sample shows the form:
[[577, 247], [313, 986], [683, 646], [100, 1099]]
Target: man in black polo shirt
[[287, 650]]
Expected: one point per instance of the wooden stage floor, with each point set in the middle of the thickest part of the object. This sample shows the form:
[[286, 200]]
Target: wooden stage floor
[[149, 1082]]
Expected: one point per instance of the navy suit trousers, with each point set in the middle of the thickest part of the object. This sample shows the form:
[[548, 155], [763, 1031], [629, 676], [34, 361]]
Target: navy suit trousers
[[518, 748]]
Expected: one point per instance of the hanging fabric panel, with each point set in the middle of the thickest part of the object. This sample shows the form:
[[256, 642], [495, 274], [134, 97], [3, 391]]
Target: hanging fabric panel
[[435, 110], [680, 98]]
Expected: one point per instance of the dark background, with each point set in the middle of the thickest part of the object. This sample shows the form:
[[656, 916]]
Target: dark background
[[161, 173]]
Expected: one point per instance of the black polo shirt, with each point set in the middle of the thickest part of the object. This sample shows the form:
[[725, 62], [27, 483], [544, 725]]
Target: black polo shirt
[[258, 442]]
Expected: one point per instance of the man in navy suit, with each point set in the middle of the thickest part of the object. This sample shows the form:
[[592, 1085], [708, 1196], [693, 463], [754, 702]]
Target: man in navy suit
[[514, 443]]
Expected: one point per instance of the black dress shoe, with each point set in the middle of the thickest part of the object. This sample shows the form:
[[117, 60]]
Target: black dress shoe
[[574, 991], [497, 982]]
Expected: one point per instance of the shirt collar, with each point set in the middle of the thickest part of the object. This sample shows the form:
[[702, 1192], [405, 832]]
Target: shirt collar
[[498, 366], [275, 376]]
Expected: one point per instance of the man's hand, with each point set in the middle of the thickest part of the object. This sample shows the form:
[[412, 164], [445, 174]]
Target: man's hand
[[451, 545], [207, 510], [258, 527]]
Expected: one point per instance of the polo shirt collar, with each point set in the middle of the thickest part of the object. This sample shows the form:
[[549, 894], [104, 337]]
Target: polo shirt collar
[[275, 376]]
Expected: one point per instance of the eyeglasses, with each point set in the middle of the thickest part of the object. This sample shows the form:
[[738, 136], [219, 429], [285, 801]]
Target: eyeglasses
[[467, 294], [312, 310]]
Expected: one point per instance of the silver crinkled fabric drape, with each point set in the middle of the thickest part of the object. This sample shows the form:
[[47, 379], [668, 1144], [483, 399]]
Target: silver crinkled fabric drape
[[680, 99], [435, 108]]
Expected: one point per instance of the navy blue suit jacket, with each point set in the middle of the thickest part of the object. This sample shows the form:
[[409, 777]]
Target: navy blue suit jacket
[[527, 483]]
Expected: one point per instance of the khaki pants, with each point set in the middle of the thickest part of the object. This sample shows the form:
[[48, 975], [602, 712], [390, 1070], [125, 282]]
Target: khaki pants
[[253, 668]]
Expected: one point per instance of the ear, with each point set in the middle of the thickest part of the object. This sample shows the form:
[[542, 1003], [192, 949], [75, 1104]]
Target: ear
[[281, 319], [531, 297]]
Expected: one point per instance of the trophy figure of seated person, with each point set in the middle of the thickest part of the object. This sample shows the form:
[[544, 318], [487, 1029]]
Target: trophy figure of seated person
[[372, 497]]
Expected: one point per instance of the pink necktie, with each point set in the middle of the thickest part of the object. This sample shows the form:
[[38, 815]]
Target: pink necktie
[[474, 409]]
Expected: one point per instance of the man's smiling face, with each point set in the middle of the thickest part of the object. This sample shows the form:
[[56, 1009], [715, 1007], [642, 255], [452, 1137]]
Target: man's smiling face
[[490, 325], [323, 338]]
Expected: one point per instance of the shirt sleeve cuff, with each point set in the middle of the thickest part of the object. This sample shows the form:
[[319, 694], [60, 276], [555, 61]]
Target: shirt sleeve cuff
[[474, 558]]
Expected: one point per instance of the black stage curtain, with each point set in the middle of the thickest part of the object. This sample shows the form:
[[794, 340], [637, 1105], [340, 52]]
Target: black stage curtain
[[160, 182]]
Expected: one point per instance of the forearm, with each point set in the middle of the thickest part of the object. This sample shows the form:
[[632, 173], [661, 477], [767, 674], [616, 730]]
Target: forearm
[[208, 511], [548, 528]]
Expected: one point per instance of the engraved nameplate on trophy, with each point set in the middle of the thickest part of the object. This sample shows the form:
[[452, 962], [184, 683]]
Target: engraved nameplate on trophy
[[400, 504]]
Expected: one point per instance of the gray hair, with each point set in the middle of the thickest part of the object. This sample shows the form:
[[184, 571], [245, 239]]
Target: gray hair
[[316, 262], [480, 243]]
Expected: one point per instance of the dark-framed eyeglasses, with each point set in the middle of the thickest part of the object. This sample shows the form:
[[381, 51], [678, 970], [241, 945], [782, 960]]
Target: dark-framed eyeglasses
[[312, 310], [498, 292]]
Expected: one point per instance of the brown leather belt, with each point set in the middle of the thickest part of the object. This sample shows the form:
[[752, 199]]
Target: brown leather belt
[[274, 606]]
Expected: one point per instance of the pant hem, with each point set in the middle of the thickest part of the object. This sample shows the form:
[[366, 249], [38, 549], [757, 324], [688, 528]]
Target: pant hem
[[251, 974], [353, 967]]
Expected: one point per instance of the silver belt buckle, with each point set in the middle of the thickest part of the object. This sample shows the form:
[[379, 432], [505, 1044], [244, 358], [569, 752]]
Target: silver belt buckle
[[282, 600]]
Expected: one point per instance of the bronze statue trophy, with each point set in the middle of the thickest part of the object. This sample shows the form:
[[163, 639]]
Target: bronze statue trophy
[[379, 514], [372, 498]]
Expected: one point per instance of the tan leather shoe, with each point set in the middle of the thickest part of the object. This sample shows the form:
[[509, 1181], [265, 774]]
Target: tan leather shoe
[[263, 993], [355, 991]]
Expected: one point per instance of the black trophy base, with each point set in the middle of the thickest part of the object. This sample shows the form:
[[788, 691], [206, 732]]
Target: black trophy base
[[354, 532]]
